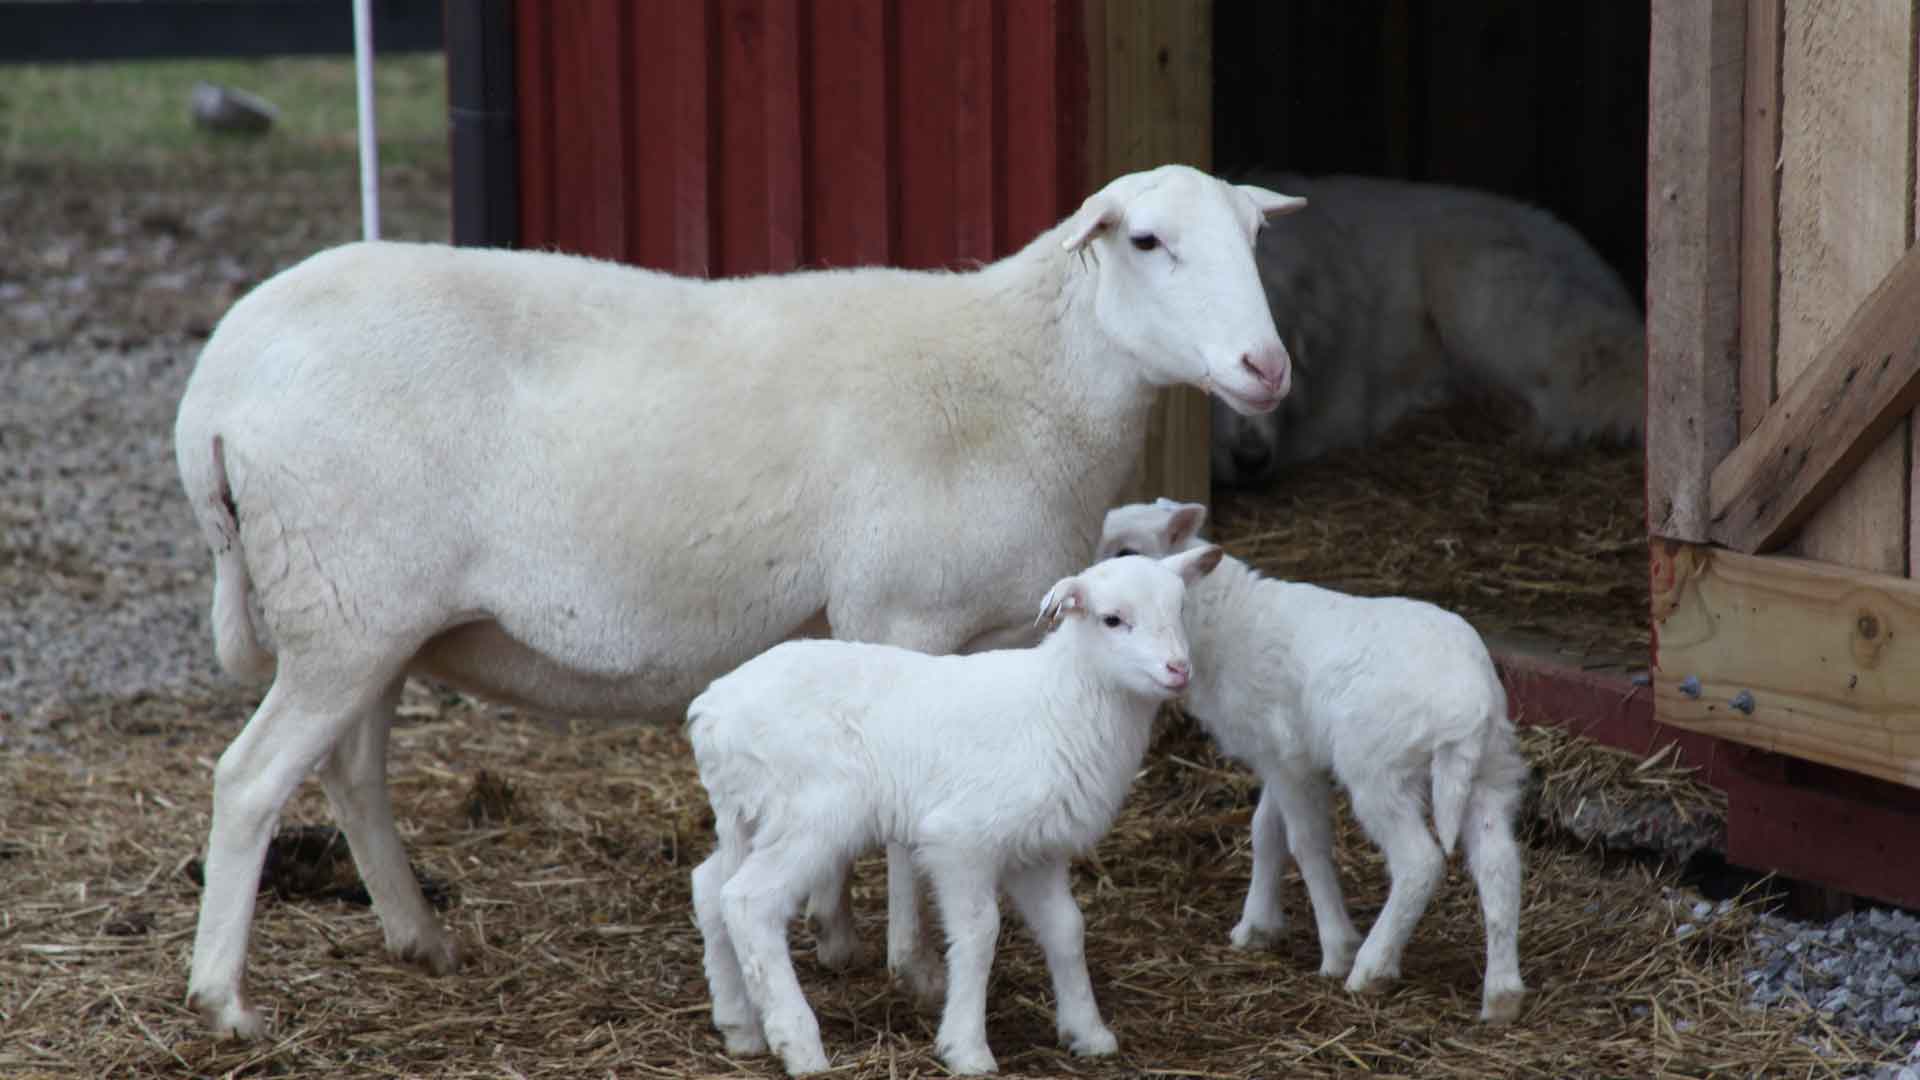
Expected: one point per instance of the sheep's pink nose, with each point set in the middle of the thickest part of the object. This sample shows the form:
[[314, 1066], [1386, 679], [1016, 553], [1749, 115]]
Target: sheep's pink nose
[[1271, 365], [1178, 672]]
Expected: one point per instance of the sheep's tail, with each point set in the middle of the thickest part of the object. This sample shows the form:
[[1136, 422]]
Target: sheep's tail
[[236, 640], [1454, 765]]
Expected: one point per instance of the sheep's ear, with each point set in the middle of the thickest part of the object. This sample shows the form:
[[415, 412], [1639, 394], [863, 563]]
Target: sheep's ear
[[1272, 204], [1184, 524], [1067, 597], [1196, 564], [1098, 213]]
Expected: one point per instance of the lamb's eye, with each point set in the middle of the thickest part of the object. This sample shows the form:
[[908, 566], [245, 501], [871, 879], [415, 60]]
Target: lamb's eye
[[1145, 241], [1113, 622], [1124, 552]]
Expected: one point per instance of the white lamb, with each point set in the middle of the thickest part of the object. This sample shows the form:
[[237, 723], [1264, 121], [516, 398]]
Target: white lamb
[[992, 769], [588, 489], [1397, 296], [1396, 698]]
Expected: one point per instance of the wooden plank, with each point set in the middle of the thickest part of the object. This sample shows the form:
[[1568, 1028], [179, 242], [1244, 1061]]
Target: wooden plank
[[785, 163], [1693, 239], [1158, 73], [1835, 414], [926, 149], [1031, 112], [689, 43], [1828, 657], [1760, 213], [533, 120], [850, 144], [979, 194], [651, 137], [1845, 197], [590, 210]]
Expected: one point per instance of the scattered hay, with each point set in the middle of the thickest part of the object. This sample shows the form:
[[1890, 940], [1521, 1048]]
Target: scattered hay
[[1445, 509], [583, 959]]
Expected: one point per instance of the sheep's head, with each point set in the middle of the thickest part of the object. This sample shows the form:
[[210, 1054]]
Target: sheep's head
[[1177, 287], [1155, 530], [1127, 616]]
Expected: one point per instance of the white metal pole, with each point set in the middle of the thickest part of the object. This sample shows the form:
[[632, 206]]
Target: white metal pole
[[369, 146]]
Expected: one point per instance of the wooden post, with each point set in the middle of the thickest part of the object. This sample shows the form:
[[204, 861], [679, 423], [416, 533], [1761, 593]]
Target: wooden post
[[1760, 213], [1152, 79], [1697, 72]]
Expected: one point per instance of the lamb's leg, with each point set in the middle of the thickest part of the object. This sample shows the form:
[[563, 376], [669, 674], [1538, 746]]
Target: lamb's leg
[[303, 716], [733, 1012], [1396, 820], [910, 957], [970, 908], [830, 916], [354, 775], [1262, 919], [1494, 860], [756, 903], [1306, 803], [1045, 900]]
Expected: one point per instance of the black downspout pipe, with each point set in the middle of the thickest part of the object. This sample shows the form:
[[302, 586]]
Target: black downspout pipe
[[480, 122]]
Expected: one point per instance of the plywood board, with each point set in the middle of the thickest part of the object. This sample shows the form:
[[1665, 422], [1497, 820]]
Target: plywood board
[[1697, 76], [1846, 196], [1154, 63], [1828, 658]]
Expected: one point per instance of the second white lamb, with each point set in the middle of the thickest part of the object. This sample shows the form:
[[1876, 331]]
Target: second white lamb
[[1396, 698], [992, 769]]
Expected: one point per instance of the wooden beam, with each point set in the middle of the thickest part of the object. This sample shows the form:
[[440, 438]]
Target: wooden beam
[[1836, 413], [1816, 661], [1693, 241], [1760, 213], [1153, 62]]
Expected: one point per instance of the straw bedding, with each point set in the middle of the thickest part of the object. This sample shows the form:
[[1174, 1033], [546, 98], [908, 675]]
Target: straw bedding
[[563, 861]]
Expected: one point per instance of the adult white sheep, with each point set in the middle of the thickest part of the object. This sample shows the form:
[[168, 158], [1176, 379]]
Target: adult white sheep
[[588, 489], [1400, 296], [1395, 697], [995, 768]]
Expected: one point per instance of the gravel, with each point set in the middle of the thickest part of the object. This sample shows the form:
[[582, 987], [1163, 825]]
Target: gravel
[[1860, 970]]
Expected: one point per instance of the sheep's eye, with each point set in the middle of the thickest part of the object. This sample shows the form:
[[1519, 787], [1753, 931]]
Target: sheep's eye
[[1113, 622], [1145, 241], [1124, 552]]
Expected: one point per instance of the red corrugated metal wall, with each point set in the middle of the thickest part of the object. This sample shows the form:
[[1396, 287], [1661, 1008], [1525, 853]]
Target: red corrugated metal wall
[[725, 137]]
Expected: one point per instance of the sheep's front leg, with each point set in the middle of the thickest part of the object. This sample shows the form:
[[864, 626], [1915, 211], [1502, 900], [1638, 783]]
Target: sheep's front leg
[[909, 956], [756, 904], [354, 775], [963, 883], [1262, 919], [830, 917], [1306, 804], [1397, 822], [1045, 900], [733, 1012]]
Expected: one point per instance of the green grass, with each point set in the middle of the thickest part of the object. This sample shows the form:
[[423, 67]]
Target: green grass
[[134, 115]]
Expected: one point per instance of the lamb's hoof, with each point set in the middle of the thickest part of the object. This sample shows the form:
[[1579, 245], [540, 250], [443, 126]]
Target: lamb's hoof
[[1500, 1003], [967, 1060], [435, 953], [1099, 1042], [924, 979], [1365, 980], [1337, 961], [743, 1040], [801, 1060], [228, 1015], [1247, 936], [834, 947]]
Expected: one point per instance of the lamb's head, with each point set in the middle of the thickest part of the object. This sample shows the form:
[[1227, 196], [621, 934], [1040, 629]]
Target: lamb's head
[[1124, 615], [1177, 291], [1155, 530]]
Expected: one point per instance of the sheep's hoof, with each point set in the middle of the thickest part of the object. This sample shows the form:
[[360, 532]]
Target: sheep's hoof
[[925, 980], [228, 1015], [1337, 960], [435, 954], [743, 1040], [968, 1060], [1366, 981], [1096, 1043], [1501, 1003], [1248, 936], [834, 946]]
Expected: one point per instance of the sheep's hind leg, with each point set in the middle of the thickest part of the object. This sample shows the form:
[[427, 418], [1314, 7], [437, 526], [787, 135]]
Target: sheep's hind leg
[[305, 713], [830, 916], [756, 903], [1045, 901], [354, 775], [1494, 860], [1262, 919], [733, 1011]]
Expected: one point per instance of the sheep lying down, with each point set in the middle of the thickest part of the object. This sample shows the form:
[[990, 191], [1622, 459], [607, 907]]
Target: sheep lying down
[[992, 770]]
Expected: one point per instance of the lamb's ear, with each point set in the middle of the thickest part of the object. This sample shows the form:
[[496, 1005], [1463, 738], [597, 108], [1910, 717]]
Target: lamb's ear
[[1196, 564], [1100, 211], [1184, 523], [1272, 204], [1067, 597]]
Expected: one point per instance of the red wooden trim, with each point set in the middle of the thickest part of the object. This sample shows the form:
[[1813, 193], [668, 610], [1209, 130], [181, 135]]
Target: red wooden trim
[[590, 188], [849, 154], [1802, 820], [532, 59], [741, 158], [786, 89], [977, 194], [688, 38], [650, 135], [1033, 130], [926, 170], [1074, 98]]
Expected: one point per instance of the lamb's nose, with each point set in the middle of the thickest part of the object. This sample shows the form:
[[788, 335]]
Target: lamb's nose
[[1271, 365], [1178, 673]]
